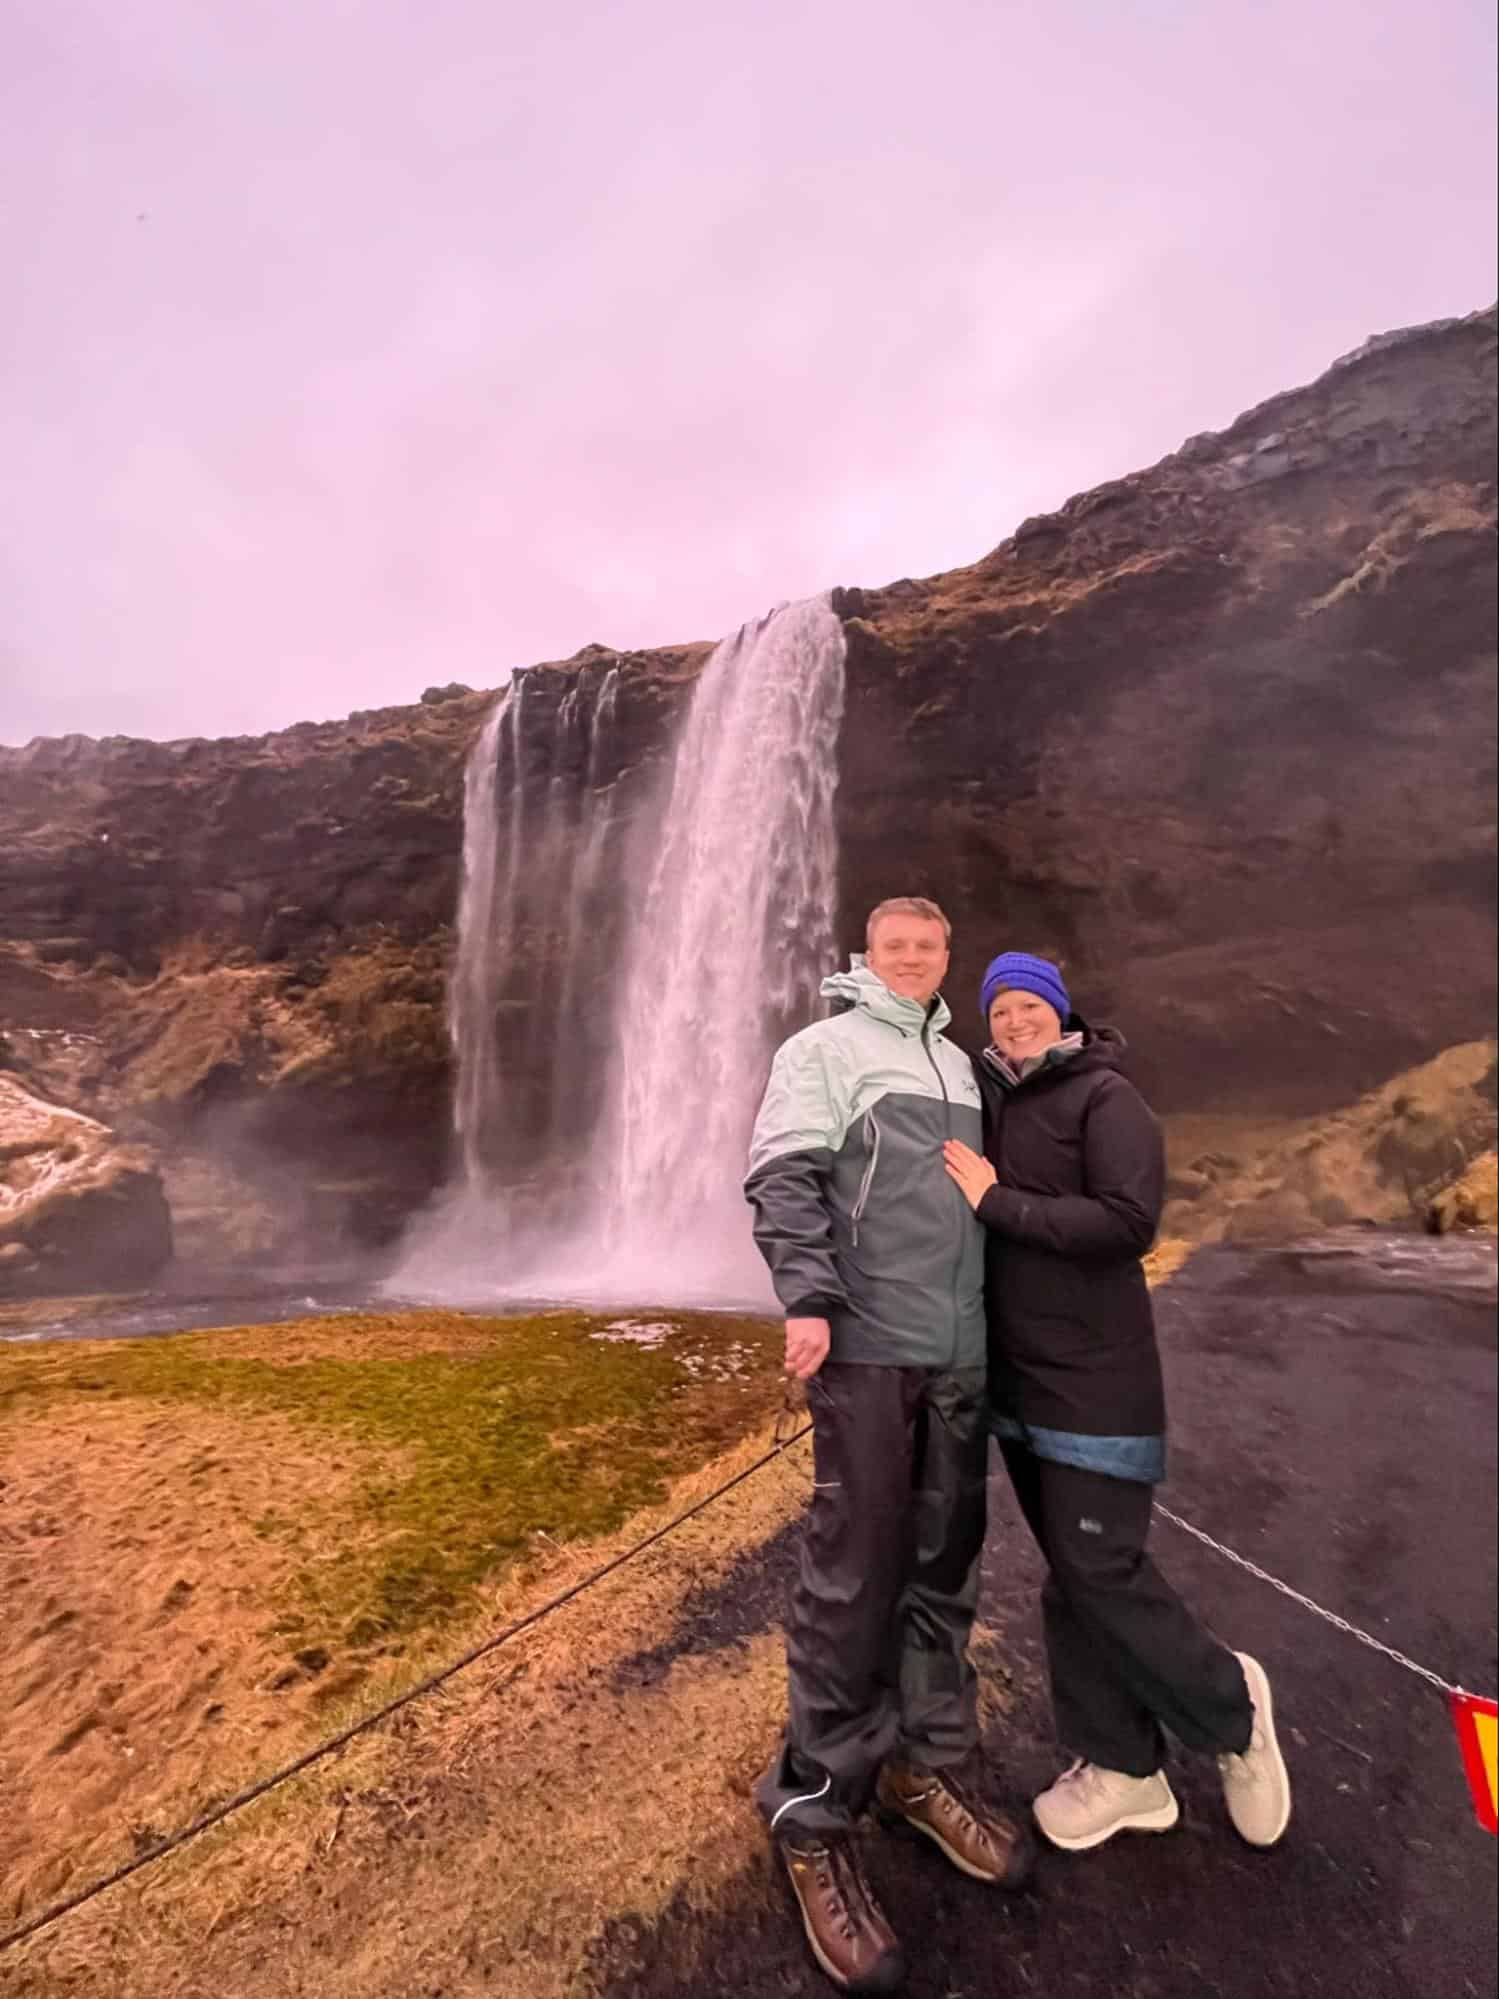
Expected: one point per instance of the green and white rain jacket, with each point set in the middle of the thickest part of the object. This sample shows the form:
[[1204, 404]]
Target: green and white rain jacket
[[854, 1211]]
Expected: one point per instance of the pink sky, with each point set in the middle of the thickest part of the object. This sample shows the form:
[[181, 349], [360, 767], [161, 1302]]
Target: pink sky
[[353, 347]]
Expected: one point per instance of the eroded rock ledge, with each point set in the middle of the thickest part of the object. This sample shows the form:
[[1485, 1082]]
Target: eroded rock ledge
[[78, 1210]]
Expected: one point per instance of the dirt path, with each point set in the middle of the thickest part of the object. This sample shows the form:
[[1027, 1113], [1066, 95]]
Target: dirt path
[[571, 1820], [1336, 1424]]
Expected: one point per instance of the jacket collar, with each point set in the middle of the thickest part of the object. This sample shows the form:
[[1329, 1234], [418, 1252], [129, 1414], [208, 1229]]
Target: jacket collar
[[860, 987], [1085, 1047], [1056, 1057]]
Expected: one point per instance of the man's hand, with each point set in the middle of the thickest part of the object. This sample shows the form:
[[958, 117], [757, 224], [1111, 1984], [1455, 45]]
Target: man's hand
[[807, 1342], [973, 1174]]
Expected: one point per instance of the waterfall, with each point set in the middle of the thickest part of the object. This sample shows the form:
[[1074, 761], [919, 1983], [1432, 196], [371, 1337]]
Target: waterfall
[[535, 833], [730, 943], [582, 923], [471, 986], [599, 1150]]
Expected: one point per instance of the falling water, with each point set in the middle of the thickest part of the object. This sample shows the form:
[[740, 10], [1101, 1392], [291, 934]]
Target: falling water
[[641, 1149], [733, 938], [535, 834], [583, 898], [471, 988]]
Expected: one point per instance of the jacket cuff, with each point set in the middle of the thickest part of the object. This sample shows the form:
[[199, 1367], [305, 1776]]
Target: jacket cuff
[[813, 1308], [1003, 1209]]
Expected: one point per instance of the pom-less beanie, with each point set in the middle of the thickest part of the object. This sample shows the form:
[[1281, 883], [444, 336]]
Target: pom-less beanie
[[1029, 975]]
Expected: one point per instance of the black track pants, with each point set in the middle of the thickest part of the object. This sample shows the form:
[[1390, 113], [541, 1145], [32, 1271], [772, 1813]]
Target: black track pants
[[877, 1636], [1128, 1659]]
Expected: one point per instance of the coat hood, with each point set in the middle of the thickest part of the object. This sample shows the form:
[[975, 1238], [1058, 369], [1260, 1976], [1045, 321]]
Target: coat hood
[[860, 987]]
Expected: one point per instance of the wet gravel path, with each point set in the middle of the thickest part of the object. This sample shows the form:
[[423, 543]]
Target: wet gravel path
[[1334, 1420]]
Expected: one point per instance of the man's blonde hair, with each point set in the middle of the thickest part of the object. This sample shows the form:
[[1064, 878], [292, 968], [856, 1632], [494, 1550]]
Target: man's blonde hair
[[905, 905]]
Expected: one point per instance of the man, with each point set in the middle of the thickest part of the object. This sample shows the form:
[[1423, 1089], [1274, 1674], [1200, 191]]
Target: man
[[877, 1260]]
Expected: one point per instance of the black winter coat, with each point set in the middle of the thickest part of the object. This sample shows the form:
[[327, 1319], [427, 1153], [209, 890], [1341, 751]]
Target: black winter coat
[[1081, 1170]]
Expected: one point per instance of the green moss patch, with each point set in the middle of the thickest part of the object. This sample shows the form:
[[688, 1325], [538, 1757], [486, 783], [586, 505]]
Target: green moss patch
[[467, 1438]]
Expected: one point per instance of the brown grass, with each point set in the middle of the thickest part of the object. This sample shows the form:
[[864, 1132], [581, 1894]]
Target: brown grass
[[1470, 1200], [138, 1669], [482, 1842], [516, 1811], [210, 1545], [1446, 509], [199, 1019], [1381, 1160]]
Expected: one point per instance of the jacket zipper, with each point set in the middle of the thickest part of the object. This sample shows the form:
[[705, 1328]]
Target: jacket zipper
[[947, 1108], [871, 1126]]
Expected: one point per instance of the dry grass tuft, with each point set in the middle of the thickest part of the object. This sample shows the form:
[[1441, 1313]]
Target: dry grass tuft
[[486, 1839], [1438, 510], [1470, 1201], [1382, 1160], [213, 1543], [516, 1811]]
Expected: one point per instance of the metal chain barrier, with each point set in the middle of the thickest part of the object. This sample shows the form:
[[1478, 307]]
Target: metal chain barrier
[[785, 1435], [216, 1814], [1329, 1616]]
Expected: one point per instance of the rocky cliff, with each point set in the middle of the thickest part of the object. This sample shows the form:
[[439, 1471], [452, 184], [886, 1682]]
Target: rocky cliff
[[236, 951], [76, 1208], [1219, 735]]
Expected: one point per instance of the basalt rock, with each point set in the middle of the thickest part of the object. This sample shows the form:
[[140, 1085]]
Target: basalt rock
[[277, 846], [78, 1210], [1218, 735]]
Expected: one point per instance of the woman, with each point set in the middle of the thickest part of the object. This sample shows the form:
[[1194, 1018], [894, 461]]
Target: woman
[[1070, 1194]]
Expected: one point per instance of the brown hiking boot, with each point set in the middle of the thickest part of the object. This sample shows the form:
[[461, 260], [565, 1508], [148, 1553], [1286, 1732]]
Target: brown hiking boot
[[976, 1838], [845, 1925]]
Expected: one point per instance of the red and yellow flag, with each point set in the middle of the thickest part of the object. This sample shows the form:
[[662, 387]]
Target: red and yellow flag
[[1478, 1732]]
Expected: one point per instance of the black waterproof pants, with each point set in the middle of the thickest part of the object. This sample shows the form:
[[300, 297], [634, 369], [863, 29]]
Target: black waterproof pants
[[877, 1637], [1128, 1659]]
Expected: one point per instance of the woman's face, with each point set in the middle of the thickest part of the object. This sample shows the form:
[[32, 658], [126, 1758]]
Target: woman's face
[[1023, 1024]]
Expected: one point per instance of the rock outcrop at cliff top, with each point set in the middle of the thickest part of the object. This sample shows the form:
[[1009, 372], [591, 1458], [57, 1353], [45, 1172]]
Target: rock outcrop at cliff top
[[1219, 735]]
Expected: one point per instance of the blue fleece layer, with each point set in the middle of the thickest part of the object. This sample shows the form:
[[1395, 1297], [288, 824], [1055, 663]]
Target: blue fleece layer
[[1142, 1459]]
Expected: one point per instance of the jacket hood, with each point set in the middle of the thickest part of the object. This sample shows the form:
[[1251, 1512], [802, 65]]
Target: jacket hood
[[1082, 1047], [860, 987]]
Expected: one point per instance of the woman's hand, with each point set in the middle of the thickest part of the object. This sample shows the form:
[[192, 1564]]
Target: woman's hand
[[973, 1173]]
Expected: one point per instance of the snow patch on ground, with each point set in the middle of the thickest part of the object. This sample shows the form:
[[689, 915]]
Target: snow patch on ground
[[730, 1363], [649, 1333]]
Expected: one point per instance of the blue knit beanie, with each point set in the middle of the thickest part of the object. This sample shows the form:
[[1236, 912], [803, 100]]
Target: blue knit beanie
[[1029, 975]]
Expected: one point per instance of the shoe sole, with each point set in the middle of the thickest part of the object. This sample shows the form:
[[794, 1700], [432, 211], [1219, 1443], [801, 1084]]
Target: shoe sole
[[1259, 1689], [1160, 1820], [1014, 1876]]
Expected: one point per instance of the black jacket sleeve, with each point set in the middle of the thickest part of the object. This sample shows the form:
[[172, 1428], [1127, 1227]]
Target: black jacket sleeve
[[1124, 1166]]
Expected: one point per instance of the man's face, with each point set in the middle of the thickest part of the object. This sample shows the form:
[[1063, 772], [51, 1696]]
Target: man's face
[[1023, 1024], [910, 954]]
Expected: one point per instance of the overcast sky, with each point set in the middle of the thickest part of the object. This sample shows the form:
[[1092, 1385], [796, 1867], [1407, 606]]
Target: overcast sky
[[350, 348]]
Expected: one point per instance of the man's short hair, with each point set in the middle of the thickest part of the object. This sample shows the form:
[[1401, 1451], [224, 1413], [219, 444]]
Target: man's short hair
[[905, 905]]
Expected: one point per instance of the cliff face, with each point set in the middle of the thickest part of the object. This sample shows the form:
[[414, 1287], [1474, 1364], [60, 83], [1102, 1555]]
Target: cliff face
[[1220, 736], [236, 951], [272, 845]]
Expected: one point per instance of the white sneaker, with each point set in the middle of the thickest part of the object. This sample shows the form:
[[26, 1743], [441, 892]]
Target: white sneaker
[[1087, 1805], [1257, 1785]]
